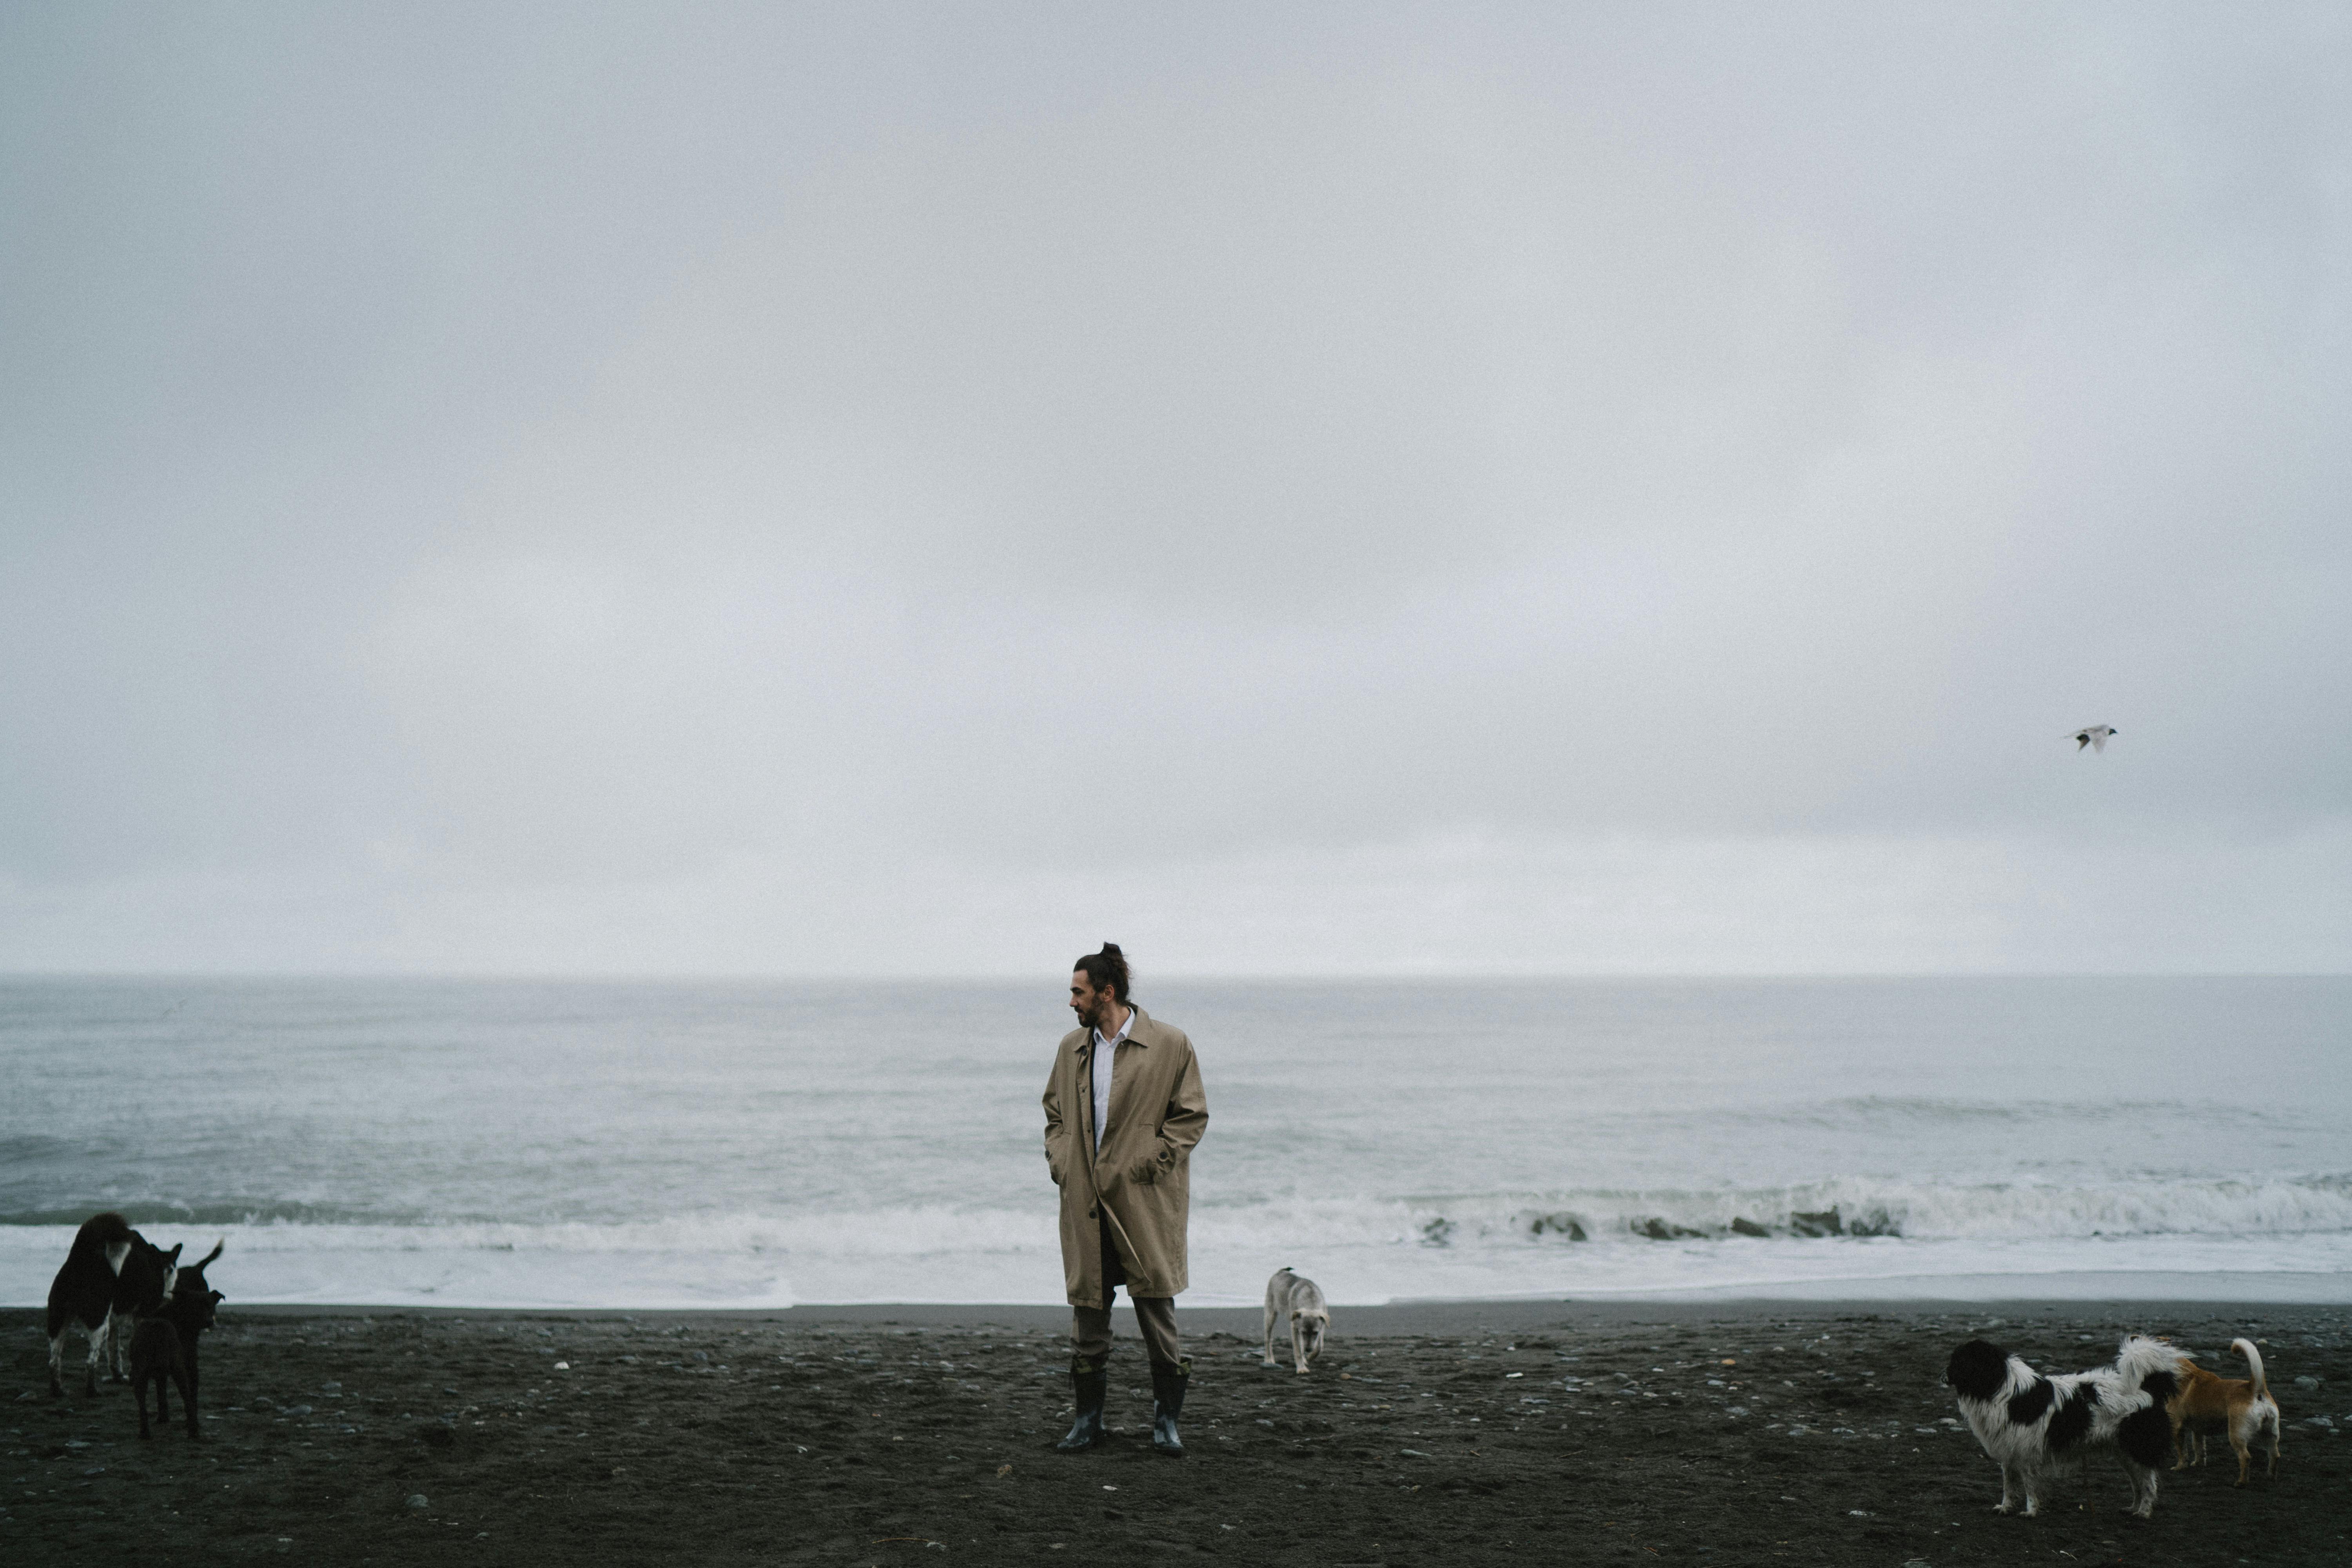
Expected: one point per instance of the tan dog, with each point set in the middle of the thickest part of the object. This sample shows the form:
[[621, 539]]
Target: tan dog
[[1300, 1301], [2241, 1409]]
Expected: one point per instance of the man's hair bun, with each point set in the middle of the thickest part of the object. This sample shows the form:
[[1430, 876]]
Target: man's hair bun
[[1106, 970]]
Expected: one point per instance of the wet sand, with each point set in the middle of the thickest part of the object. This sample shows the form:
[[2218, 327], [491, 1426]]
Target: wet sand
[[1717, 1433]]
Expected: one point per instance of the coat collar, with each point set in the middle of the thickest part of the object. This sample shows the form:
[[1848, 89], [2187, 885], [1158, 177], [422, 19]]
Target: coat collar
[[1138, 1032]]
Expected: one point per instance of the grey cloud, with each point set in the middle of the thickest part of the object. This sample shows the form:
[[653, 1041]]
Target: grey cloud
[[504, 466]]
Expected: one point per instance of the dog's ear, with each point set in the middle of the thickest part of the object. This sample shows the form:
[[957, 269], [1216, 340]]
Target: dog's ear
[[173, 1257]]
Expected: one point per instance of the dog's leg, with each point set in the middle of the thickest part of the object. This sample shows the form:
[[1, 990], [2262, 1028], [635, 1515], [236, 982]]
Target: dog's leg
[[57, 1364], [2143, 1485], [1269, 1335], [1298, 1343], [98, 1337], [2005, 1505], [139, 1392]]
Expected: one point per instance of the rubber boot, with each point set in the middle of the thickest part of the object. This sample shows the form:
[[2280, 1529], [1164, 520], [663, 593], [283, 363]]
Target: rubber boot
[[1168, 1385], [1091, 1383]]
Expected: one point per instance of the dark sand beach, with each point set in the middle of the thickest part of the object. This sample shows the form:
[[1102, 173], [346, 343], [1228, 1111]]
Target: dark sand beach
[[1719, 1432]]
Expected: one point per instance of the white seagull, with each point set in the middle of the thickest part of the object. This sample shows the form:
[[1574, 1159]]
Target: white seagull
[[2095, 737]]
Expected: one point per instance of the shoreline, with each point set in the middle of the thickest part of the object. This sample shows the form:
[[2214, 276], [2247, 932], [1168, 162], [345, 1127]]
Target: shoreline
[[1429, 1317], [2119, 1291], [1754, 1431]]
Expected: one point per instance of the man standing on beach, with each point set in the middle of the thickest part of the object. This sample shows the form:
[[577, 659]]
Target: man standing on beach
[[1123, 1108]]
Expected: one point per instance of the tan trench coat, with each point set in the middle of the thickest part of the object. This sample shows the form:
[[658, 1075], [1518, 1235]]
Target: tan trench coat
[[1137, 1188]]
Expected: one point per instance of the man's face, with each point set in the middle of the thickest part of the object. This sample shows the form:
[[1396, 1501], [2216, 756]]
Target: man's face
[[1092, 1006]]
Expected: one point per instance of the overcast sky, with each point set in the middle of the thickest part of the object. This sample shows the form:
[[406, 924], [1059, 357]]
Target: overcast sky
[[870, 489]]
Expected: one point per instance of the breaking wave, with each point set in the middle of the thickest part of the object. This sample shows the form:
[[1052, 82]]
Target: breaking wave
[[1369, 1249], [1827, 1210], [1870, 1208]]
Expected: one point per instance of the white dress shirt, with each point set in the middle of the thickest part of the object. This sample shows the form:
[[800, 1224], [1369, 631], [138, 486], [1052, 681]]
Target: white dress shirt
[[1106, 1049]]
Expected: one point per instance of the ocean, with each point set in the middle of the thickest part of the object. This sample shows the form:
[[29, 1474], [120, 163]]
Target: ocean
[[562, 1143]]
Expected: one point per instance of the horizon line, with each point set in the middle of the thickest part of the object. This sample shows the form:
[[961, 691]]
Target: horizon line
[[1204, 976]]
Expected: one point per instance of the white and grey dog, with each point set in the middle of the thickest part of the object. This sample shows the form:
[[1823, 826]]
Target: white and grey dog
[[1300, 1301], [2030, 1425]]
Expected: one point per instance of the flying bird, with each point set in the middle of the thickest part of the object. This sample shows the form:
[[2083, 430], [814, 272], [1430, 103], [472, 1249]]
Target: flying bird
[[2095, 737]]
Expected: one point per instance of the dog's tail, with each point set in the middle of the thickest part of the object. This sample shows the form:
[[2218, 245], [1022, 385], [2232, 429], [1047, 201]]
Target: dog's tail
[[2254, 1366], [2152, 1365], [214, 1253]]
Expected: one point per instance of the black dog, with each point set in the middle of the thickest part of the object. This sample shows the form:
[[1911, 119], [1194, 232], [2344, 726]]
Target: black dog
[[166, 1347], [111, 1272]]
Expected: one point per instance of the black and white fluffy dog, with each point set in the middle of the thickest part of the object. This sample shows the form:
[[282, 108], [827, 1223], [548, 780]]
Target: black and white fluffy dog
[[2030, 1423]]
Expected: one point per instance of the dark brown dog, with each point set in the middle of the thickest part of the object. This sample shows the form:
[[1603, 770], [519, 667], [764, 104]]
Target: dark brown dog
[[165, 1348]]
